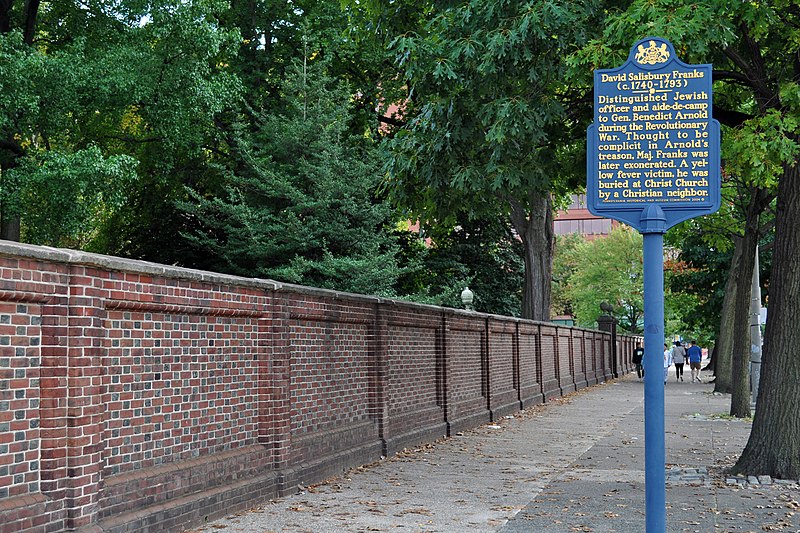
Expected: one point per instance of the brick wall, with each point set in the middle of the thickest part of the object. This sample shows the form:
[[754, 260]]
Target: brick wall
[[136, 396]]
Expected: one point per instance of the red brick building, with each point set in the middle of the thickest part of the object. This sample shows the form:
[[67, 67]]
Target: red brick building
[[577, 219]]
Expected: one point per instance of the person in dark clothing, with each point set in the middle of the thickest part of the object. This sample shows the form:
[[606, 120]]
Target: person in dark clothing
[[638, 355]]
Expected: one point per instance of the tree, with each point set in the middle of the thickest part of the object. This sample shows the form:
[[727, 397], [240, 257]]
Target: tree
[[753, 47], [609, 269], [488, 128], [727, 234], [697, 275], [82, 133], [565, 258], [482, 254], [299, 206], [46, 169]]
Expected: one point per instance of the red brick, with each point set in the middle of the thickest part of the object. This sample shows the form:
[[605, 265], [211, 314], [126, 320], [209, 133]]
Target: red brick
[[296, 375]]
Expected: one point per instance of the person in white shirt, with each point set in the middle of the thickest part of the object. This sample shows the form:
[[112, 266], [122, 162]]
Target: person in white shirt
[[667, 362]]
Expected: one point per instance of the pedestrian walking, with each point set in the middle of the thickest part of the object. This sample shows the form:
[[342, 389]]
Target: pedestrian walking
[[678, 359], [695, 356], [667, 362], [638, 356]]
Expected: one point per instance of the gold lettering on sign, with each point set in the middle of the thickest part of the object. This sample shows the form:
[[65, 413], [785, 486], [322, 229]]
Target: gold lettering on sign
[[653, 134]]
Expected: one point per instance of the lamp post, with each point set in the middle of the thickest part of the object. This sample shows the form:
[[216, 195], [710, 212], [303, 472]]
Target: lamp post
[[466, 298]]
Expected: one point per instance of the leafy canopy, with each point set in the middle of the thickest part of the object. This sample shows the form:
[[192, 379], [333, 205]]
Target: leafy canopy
[[98, 97], [486, 110]]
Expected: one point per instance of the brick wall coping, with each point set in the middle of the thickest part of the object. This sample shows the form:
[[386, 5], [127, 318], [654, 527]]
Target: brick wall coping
[[120, 264]]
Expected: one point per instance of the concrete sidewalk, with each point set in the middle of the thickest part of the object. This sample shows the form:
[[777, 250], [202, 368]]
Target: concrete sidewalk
[[575, 464]]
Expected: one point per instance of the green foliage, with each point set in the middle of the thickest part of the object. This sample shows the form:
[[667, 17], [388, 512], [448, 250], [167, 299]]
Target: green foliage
[[488, 105], [565, 259], [65, 197], [696, 276], [483, 255], [124, 90], [680, 309], [756, 95], [607, 270], [492, 124], [758, 150], [586, 273], [299, 206], [694, 28], [752, 48]]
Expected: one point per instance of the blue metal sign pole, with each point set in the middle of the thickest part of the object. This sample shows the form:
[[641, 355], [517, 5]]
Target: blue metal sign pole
[[652, 162], [653, 229]]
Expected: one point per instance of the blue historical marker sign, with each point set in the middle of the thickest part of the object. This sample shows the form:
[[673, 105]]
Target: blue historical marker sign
[[653, 161], [653, 140]]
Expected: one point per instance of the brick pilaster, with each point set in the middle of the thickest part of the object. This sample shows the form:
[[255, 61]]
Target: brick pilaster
[[379, 409], [278, 404], [85, 408]]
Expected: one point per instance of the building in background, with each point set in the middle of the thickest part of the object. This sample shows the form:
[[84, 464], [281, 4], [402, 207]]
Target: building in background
[[577, 219]]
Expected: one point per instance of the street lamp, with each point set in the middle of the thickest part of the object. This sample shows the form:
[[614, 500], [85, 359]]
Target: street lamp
[[466, 298]]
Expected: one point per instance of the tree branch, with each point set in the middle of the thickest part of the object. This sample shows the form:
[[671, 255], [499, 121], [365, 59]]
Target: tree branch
[[763, 198], [716, 226], [519, 216], [766, 227], [730, 118], [391, 121], [731, 75], [739, 61], [769, 98], [751, 73], [794, 10], [796, 66], [215, 150]]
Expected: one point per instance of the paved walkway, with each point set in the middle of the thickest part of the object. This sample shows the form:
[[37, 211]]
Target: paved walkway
[[573, 465]]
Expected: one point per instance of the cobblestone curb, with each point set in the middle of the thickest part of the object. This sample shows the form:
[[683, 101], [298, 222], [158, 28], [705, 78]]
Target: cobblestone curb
[[687, 476], [760, 481]]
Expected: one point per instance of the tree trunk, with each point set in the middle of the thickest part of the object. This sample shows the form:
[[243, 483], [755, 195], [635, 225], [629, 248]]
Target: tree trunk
[[10, 228], [732, 367], [712, 359], [774, 445], [5, 16], [725, 340], [739, 350], [534, 224], [29, 30], [9, 221], [740, 360], [740, 367]]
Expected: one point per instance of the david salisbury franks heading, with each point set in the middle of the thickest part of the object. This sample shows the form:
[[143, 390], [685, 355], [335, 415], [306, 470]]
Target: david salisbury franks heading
[[651, 76]]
